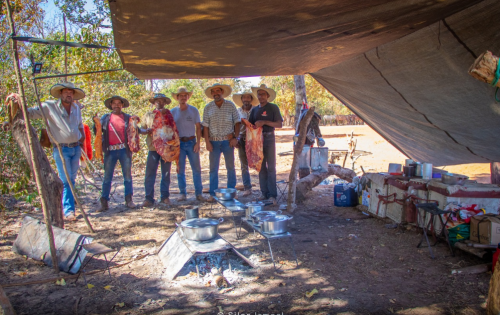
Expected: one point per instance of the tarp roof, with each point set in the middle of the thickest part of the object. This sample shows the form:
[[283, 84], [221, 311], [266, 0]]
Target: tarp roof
[[400, 65]]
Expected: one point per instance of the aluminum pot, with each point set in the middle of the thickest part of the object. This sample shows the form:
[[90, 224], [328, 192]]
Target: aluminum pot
[[200, 229], [253, 207], [258, 216], [225, 193], [453, 179], [192, 213], [277, 224]]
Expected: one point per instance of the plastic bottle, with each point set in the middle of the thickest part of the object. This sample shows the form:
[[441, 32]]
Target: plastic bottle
[[496, 255]]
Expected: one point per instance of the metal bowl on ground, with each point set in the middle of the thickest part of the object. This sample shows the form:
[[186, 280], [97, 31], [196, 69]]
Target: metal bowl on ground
[[253, 207], [225, 193], [277, 224], [200, 229], [257, 217], [453, 179]]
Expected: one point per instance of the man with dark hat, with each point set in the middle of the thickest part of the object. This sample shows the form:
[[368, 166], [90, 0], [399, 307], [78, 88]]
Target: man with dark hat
[[159, 101], [64, 120], [221, 123], [115, 148], [267, 115], [245, 102]]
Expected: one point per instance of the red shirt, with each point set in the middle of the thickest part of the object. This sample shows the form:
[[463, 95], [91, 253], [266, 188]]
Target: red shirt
[[118, 122]]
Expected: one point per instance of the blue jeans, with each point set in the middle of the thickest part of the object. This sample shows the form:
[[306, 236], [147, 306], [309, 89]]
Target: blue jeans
[[245, 174], [110, 160], [267, 174], [187, 150], [71, 158], [149, 182], [224, 148]]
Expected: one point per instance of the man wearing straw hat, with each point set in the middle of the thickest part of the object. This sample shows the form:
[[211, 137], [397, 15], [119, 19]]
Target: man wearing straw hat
[[267, 115], [64, 120], [187, 119], [245, 102], [221, 123], [115, 148], [154, 158]]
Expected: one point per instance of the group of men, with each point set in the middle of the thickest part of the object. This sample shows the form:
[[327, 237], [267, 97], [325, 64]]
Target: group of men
[[221, 128]]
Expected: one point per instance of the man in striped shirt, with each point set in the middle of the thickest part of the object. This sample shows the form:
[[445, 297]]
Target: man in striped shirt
[[221, 123]]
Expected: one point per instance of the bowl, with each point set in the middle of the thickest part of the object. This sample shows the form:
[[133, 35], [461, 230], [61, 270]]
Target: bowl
[[225, 193], [453, 179]]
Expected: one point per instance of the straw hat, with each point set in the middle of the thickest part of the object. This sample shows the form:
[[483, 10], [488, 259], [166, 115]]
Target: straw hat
[[237, 98], [55, 90], [226, 90], [182, 89], [125, 102], [271, 92], [159, 96]]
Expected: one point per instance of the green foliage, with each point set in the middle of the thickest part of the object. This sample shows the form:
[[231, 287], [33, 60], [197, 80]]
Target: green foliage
[[76, 11]]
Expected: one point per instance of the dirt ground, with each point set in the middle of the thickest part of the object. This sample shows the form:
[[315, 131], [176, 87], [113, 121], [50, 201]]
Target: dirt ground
[[355, 262]]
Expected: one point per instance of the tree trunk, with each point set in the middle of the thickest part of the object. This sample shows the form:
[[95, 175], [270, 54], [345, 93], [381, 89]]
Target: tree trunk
[[5, 306], [48, 175], [493, 306], [300, 95], [495, 172], [307, 183]]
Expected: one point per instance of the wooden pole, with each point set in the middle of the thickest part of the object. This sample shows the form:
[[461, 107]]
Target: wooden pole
[[495, 172], [300, 95], [65, 50], [5, 306], [297, 149], [34, 161], [58, 146]]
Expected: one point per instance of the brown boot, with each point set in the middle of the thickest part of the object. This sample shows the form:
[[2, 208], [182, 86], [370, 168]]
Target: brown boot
[[129, 203], [147, 204], [104, 205]]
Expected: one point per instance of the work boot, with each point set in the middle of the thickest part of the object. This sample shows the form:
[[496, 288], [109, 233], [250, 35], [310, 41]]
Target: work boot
[[71, 217], [211, 199], [129, 203], [147, 204], [182, 198], [166, 201], [273, 200], [261, 198], [246, 193], [201, 198], [104, 205]]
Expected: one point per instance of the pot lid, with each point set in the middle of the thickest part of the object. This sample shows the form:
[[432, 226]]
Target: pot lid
[[199, 222], [276, 218], [264, 213]]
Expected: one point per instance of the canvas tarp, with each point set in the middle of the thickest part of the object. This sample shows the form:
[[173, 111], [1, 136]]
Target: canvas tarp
[[213, 38], [416, 92]]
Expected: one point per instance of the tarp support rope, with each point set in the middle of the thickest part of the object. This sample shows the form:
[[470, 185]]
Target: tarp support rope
[[495, 80]]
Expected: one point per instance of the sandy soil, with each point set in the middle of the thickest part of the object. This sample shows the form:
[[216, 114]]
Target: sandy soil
[[356, 263]]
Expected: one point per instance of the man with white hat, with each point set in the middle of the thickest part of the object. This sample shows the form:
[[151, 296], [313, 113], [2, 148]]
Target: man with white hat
[[187, 119], [221, 123], [64, 120], [115, 148], [154, 158], [245, 102], [267, 115]]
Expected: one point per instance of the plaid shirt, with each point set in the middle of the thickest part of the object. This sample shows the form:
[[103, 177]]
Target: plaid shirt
[[220, 121]]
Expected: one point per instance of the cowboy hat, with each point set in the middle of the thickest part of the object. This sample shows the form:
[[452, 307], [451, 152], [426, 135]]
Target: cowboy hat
[[237, 98], [159, 96], [271, 92], [226, 90], [182, 89], [125, 102], [55, 90]]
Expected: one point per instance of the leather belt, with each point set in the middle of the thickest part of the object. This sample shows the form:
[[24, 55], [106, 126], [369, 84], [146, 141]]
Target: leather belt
[[70, 145], [222, 138], [116, 147], [186, 139]]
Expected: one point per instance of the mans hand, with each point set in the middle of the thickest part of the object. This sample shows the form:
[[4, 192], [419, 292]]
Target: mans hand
[[260, 123], [149, 131], [209, 146], [6, 126], [196, 148], [14, 97], [233, 143]]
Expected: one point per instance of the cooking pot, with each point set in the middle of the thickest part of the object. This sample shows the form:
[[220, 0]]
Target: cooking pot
[[258, 216], [453, 179], [253, 207], [200, 229], [277, 224], [225, 193], [192, 213]]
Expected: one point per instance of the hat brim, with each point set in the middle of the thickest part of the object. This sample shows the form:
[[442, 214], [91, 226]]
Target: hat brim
[[167, 99], [107, 102], [237, 99], [174, 95], [271, 92], [225, 88], [55, 91]]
